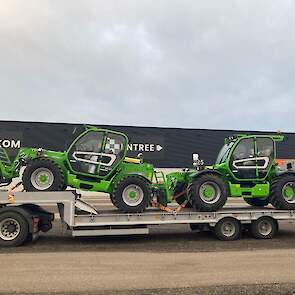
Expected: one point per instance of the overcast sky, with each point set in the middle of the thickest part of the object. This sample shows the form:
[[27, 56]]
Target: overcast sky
[[197, 64]]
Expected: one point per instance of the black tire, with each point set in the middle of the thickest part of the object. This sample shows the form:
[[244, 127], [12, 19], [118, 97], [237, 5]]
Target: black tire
[[141, 190], [181, 199], [49, 168], [257, 202], [112, 199], [112, 196], [277, 198], [12, 223], [64, 187], [264, 228], [198, 200], [227, 229]]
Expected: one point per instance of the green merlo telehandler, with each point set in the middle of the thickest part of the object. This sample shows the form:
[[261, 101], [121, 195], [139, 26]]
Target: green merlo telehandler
[[96, 161], [246, 167]]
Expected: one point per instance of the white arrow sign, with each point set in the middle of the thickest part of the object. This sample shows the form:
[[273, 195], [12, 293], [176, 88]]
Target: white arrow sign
[[144, 147]]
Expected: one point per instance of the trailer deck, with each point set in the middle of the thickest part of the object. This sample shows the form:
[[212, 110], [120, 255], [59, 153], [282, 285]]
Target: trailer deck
[[82, 219]]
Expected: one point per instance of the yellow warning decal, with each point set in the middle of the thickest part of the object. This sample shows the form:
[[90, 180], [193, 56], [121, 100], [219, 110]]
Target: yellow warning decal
[[132, 160]]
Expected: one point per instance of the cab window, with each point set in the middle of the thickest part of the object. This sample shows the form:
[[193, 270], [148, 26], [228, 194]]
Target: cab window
[[84, 155], [242, 162], [114, 148], [265, 155]]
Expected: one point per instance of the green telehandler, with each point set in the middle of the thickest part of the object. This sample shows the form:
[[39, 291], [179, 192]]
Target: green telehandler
[[96, 161], [245, 167]]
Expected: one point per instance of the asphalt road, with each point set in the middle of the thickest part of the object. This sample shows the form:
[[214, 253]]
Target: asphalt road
[[171, 260]]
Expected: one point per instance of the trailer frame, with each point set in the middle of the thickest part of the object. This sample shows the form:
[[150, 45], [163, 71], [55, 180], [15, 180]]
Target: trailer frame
[[82, 219]]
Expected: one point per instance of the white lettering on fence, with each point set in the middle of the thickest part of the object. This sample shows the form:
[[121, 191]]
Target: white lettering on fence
[[10, 143]]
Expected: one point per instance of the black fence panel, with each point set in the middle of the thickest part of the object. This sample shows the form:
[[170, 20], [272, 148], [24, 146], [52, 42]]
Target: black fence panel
[[163, 147]]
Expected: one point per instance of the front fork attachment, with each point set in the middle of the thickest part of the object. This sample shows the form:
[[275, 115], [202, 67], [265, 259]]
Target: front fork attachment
[[157, 204]]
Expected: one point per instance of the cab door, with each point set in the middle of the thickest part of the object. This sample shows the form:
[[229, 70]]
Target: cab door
[[265, 155], [96, 153], [113, 151], [252, 158], [242, 161]]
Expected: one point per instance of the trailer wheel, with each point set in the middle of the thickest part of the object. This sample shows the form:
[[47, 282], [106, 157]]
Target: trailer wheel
[[283, 192], [264, 228], [132, 194], [43, 175], [14, 229], [257, 202], [208, 193], [228, 229]]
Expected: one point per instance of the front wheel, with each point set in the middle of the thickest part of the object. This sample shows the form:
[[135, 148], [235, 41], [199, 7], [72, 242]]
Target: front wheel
[[132, 194], [43, 175], [208, 193]]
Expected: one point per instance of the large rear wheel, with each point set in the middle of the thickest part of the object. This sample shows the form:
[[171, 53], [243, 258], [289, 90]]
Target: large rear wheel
[[208, 193], [131, 194], [43, 175], [283, 192]]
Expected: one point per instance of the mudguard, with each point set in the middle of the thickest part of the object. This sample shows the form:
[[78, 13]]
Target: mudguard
[[204, 172]]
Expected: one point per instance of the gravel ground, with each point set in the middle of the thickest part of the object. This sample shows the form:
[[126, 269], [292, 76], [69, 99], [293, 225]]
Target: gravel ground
[[269, 289]]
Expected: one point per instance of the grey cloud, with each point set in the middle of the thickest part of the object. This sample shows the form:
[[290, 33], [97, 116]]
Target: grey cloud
[[197, 64]]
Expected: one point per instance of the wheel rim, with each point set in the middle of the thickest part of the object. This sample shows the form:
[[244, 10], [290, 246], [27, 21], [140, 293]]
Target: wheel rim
[[209, 192], [288, 192], [42, 178], [228, 229], [264, 227], [132, 195], [9, 229]]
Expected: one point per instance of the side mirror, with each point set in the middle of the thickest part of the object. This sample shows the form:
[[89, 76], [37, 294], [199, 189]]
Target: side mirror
[[195, 157], [197, 162]]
